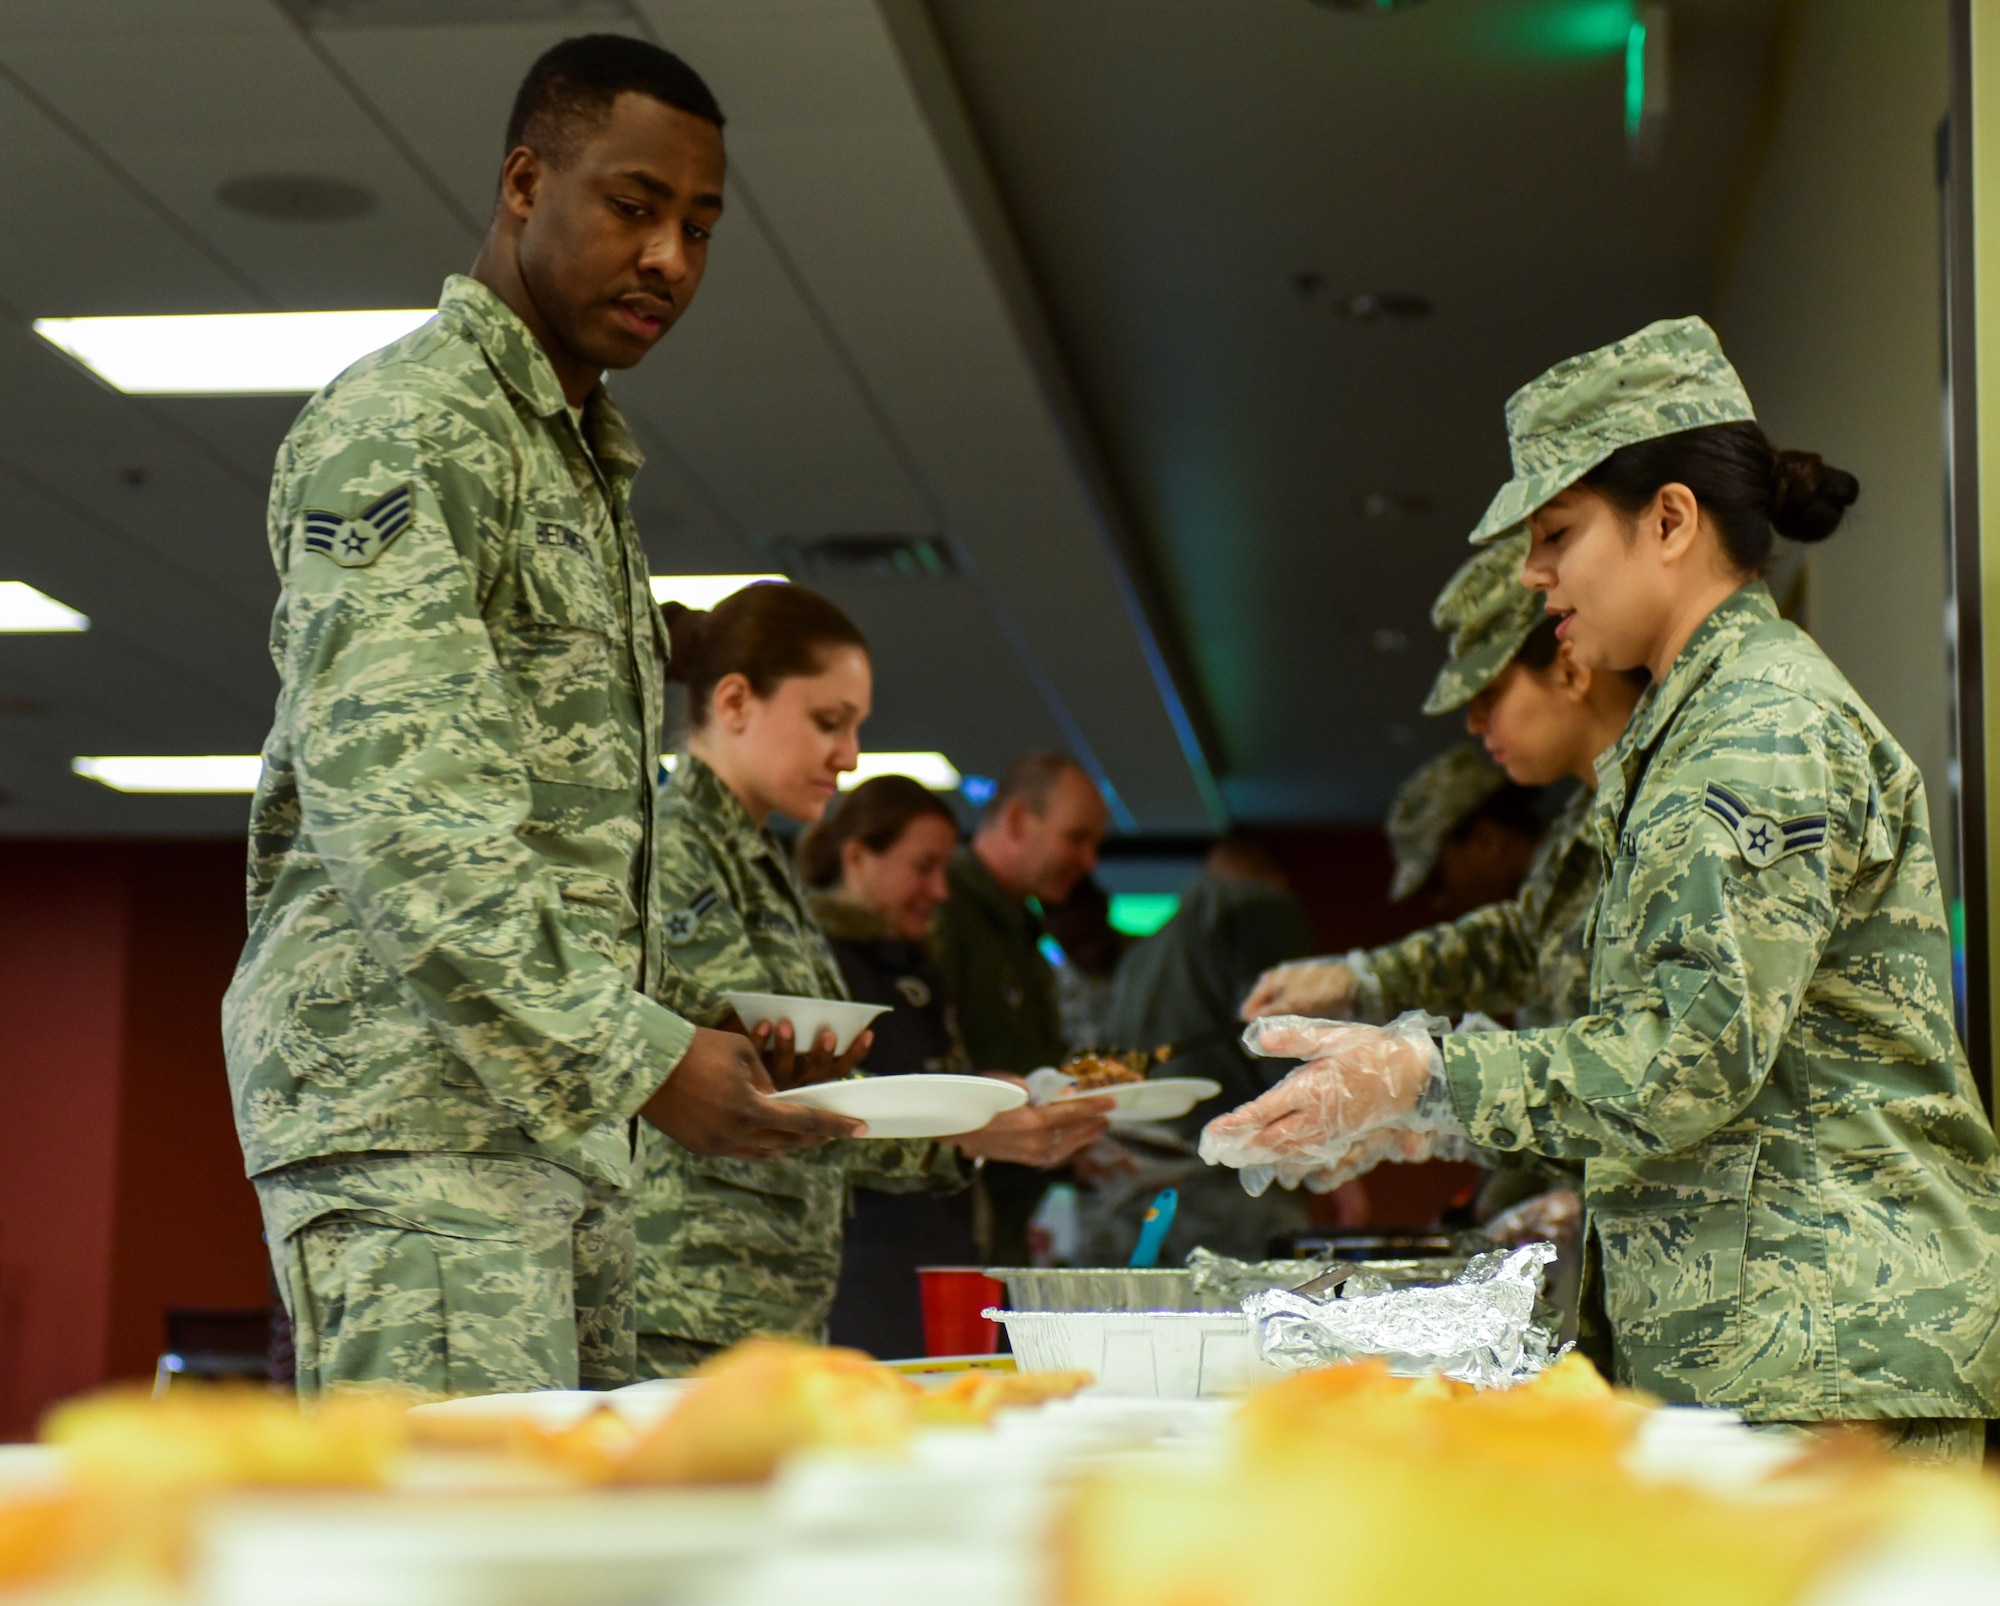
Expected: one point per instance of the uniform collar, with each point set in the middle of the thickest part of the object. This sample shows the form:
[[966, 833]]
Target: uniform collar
[[517, 357], [1717, 641], [844, 920], [703, 795], [969, 871]]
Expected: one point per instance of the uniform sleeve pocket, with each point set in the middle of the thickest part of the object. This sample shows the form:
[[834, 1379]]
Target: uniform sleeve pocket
[[1672, 1231], [562, 655]]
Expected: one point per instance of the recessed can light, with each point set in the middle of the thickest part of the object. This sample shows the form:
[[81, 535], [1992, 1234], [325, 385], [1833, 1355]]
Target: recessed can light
[[1372, 306], [1393, 505]]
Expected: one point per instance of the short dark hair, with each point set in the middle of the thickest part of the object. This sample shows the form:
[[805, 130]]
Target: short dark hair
[[570, 89], [767, 632], [1031, 778], [1740, 479]]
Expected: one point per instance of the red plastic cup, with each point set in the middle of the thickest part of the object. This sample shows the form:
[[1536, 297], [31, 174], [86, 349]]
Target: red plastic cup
[[953, 1297]]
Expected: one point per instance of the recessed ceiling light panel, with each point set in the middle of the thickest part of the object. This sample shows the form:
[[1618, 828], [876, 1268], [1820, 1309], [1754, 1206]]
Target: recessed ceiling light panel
[[26, 611], [703, 591], [931, 770], [227, 353], [185, 773]]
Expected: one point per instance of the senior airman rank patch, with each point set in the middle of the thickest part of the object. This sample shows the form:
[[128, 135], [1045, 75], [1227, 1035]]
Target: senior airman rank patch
[[355, 542], [684, 922], [1764, 841]]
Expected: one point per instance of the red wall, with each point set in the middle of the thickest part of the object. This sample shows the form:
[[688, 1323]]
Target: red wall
[[1342, 873], [121, 1184]]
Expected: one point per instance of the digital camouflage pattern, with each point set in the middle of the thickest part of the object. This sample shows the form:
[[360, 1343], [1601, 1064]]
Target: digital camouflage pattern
[[1668, 377], [452, 1273], [451, 915], [728, 1248], [1524, 955], [1488, 614], [1794, 1193], [1430, 805]]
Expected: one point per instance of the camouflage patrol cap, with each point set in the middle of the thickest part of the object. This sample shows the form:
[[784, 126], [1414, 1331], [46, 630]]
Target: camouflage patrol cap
[[1430, 805], [1489, 613], [1668, 377]]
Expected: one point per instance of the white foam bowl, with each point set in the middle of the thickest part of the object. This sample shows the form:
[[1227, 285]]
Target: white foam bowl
[[808, 1016]]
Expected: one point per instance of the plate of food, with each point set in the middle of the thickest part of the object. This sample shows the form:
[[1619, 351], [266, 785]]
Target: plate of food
[[1135, 1097], [917, 1106], [807, 1016]]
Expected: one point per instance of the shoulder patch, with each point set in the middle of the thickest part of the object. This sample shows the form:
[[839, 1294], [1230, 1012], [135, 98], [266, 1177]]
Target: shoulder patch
[[356, 542], [1763, 840], [684, 922]]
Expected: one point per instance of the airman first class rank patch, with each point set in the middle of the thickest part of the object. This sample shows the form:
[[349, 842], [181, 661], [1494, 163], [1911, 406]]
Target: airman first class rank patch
[[353, 543], [1764, 841], [684, 922]]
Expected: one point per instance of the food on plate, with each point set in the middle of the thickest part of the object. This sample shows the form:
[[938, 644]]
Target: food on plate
[[760, 1401], [135, 1472], [38, 1533], [207, 1438], [1351, 1485], [974, 1400], [1097, 1068]]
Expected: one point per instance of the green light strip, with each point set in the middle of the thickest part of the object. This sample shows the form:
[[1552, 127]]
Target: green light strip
[[1635, 77]]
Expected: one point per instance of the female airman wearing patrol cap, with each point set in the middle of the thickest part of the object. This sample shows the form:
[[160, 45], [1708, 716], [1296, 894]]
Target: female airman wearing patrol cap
[[1793, 1191], [1543, 716]]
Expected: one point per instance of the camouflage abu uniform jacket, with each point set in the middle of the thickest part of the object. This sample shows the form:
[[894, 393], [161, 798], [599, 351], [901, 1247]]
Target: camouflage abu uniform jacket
[[1791, 1185], [728, 1248], [451, 908], [1525, 954]]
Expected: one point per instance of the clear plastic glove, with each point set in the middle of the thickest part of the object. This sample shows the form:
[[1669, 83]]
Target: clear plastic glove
[[1320, 987], [1357, 1081], [1554, 1216]]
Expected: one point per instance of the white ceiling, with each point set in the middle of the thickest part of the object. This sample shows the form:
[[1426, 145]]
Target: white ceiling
[[864, 358]]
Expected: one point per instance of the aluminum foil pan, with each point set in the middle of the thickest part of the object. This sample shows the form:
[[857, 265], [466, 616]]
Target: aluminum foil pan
[[1180, 1355], [1105, 1288]]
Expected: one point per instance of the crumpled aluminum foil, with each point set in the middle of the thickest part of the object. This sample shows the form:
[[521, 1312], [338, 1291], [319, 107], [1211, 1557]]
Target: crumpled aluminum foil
[[1479, 1328], [1222, 1279]]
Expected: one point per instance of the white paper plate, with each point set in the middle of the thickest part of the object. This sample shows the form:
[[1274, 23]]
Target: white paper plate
[[914, 1106], [1163, 1099], [807, 1015]]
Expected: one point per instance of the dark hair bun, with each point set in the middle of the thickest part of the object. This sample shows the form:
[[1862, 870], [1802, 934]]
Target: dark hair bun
[[1809, 496], [685, 627]]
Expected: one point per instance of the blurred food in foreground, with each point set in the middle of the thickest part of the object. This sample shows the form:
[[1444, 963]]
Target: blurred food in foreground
[[137, 1474], [1348, 1484]]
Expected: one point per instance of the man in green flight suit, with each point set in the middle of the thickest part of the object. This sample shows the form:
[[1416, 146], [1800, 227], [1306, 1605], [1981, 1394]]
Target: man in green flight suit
[[439, 1032], [1037, 837]]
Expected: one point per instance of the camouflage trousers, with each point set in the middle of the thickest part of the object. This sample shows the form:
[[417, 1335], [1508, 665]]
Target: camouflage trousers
[[452, 1273], [1938, 1441], [663, 1355]]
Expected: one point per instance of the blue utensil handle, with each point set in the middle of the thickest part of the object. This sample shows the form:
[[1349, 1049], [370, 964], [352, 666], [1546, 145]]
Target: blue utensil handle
[[1153, 1228]]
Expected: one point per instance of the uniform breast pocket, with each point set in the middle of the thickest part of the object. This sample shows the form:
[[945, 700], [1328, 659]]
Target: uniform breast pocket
[[1672, 1231], [563, 652]]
